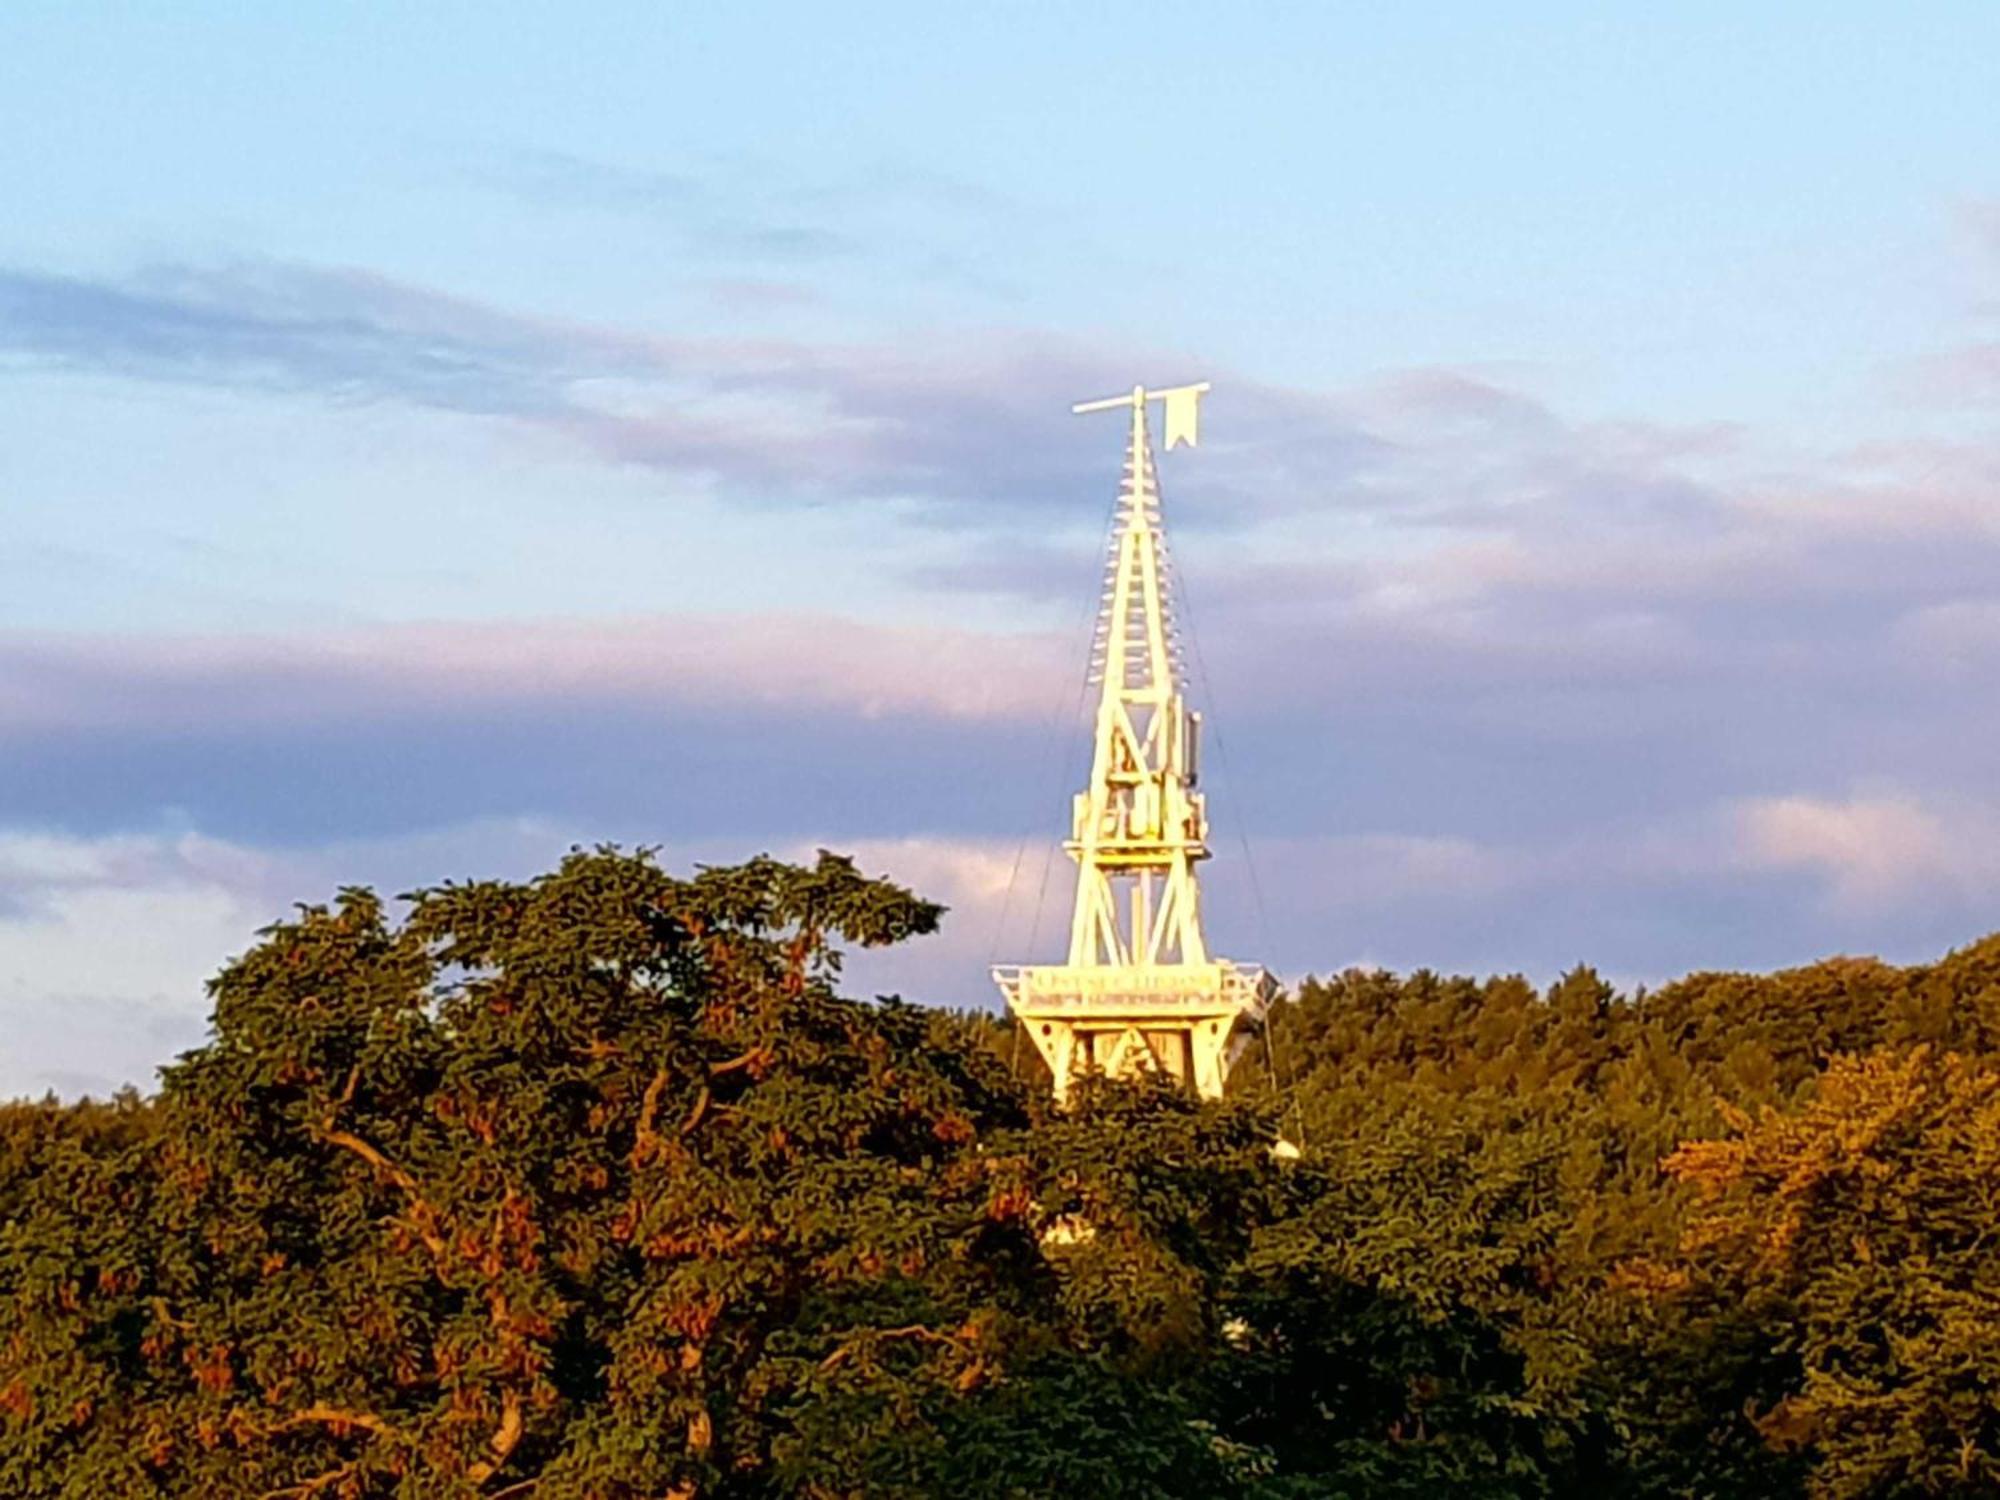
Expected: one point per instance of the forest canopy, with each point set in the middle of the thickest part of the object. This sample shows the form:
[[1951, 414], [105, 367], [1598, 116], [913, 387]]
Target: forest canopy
[[595, 1186]]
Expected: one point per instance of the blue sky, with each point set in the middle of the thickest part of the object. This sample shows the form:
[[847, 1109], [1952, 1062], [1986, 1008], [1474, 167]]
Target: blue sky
[[429, 438]]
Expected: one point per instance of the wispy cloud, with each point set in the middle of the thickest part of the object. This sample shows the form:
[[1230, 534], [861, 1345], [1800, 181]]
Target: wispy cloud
[[106, 943], [955, 429], [670, 727], [718, 210], [1965, 377], [740, 209], [798, 664], [1608, 608], [334, 332]]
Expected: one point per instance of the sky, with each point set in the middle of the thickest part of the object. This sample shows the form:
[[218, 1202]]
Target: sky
[[431, 438]]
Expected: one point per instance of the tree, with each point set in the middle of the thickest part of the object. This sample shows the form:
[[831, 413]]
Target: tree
[[593, 1186], [591, 1181], [1863, 1227]]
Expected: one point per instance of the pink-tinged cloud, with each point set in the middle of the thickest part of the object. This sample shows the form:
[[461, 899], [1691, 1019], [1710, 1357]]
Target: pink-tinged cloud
[[1878, 850], [813, 665]]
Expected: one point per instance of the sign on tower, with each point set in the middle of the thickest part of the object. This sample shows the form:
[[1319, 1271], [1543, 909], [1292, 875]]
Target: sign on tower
[[1139, 992]]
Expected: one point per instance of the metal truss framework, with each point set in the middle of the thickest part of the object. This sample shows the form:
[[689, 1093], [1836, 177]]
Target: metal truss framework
[[1139, 991]]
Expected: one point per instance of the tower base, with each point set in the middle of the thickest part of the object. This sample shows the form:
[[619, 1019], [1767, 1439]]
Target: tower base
[[1188, 1021]]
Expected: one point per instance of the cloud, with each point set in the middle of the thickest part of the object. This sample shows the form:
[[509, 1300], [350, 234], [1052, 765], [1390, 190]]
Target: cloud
[[788, 663], [735, 212], [1878, 850], [1965, 377], [342, 333], [758, 294], [106, 943], [1979, 220], [954, 427], [1610, 614], [663, 728], [1446, 465], [985, 883], [905, 222], [1501, 688], [1454, 613]]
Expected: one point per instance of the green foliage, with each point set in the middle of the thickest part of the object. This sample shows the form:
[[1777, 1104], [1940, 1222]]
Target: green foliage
[[593, 1186], [592, 1179], [1865, 1223], [1493, 1159]]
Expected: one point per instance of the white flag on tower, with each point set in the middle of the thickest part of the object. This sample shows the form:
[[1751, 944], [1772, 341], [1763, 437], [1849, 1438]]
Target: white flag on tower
[[1182, 410]]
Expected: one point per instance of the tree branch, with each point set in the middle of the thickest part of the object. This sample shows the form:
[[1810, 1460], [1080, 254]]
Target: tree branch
[[160, 1311], [883, 1335], [336, 1416], [505, 1436], [700, 1108], [646, 1138], [508, 1433], [310, 1486], [756, 1054], [348, 1141]]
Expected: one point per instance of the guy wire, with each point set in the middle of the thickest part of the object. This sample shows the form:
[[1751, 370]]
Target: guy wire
[[1054, 741], [1288, 1096]]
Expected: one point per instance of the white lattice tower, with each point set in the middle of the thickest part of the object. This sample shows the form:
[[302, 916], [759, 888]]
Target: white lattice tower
[[1139, 990]]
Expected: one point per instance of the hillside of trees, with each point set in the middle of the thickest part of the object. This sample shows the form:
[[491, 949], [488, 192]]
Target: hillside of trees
[[595, 1188]]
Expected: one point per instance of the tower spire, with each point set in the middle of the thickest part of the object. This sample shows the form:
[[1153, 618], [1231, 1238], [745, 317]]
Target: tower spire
[[1139, 991], [1135, 628]]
